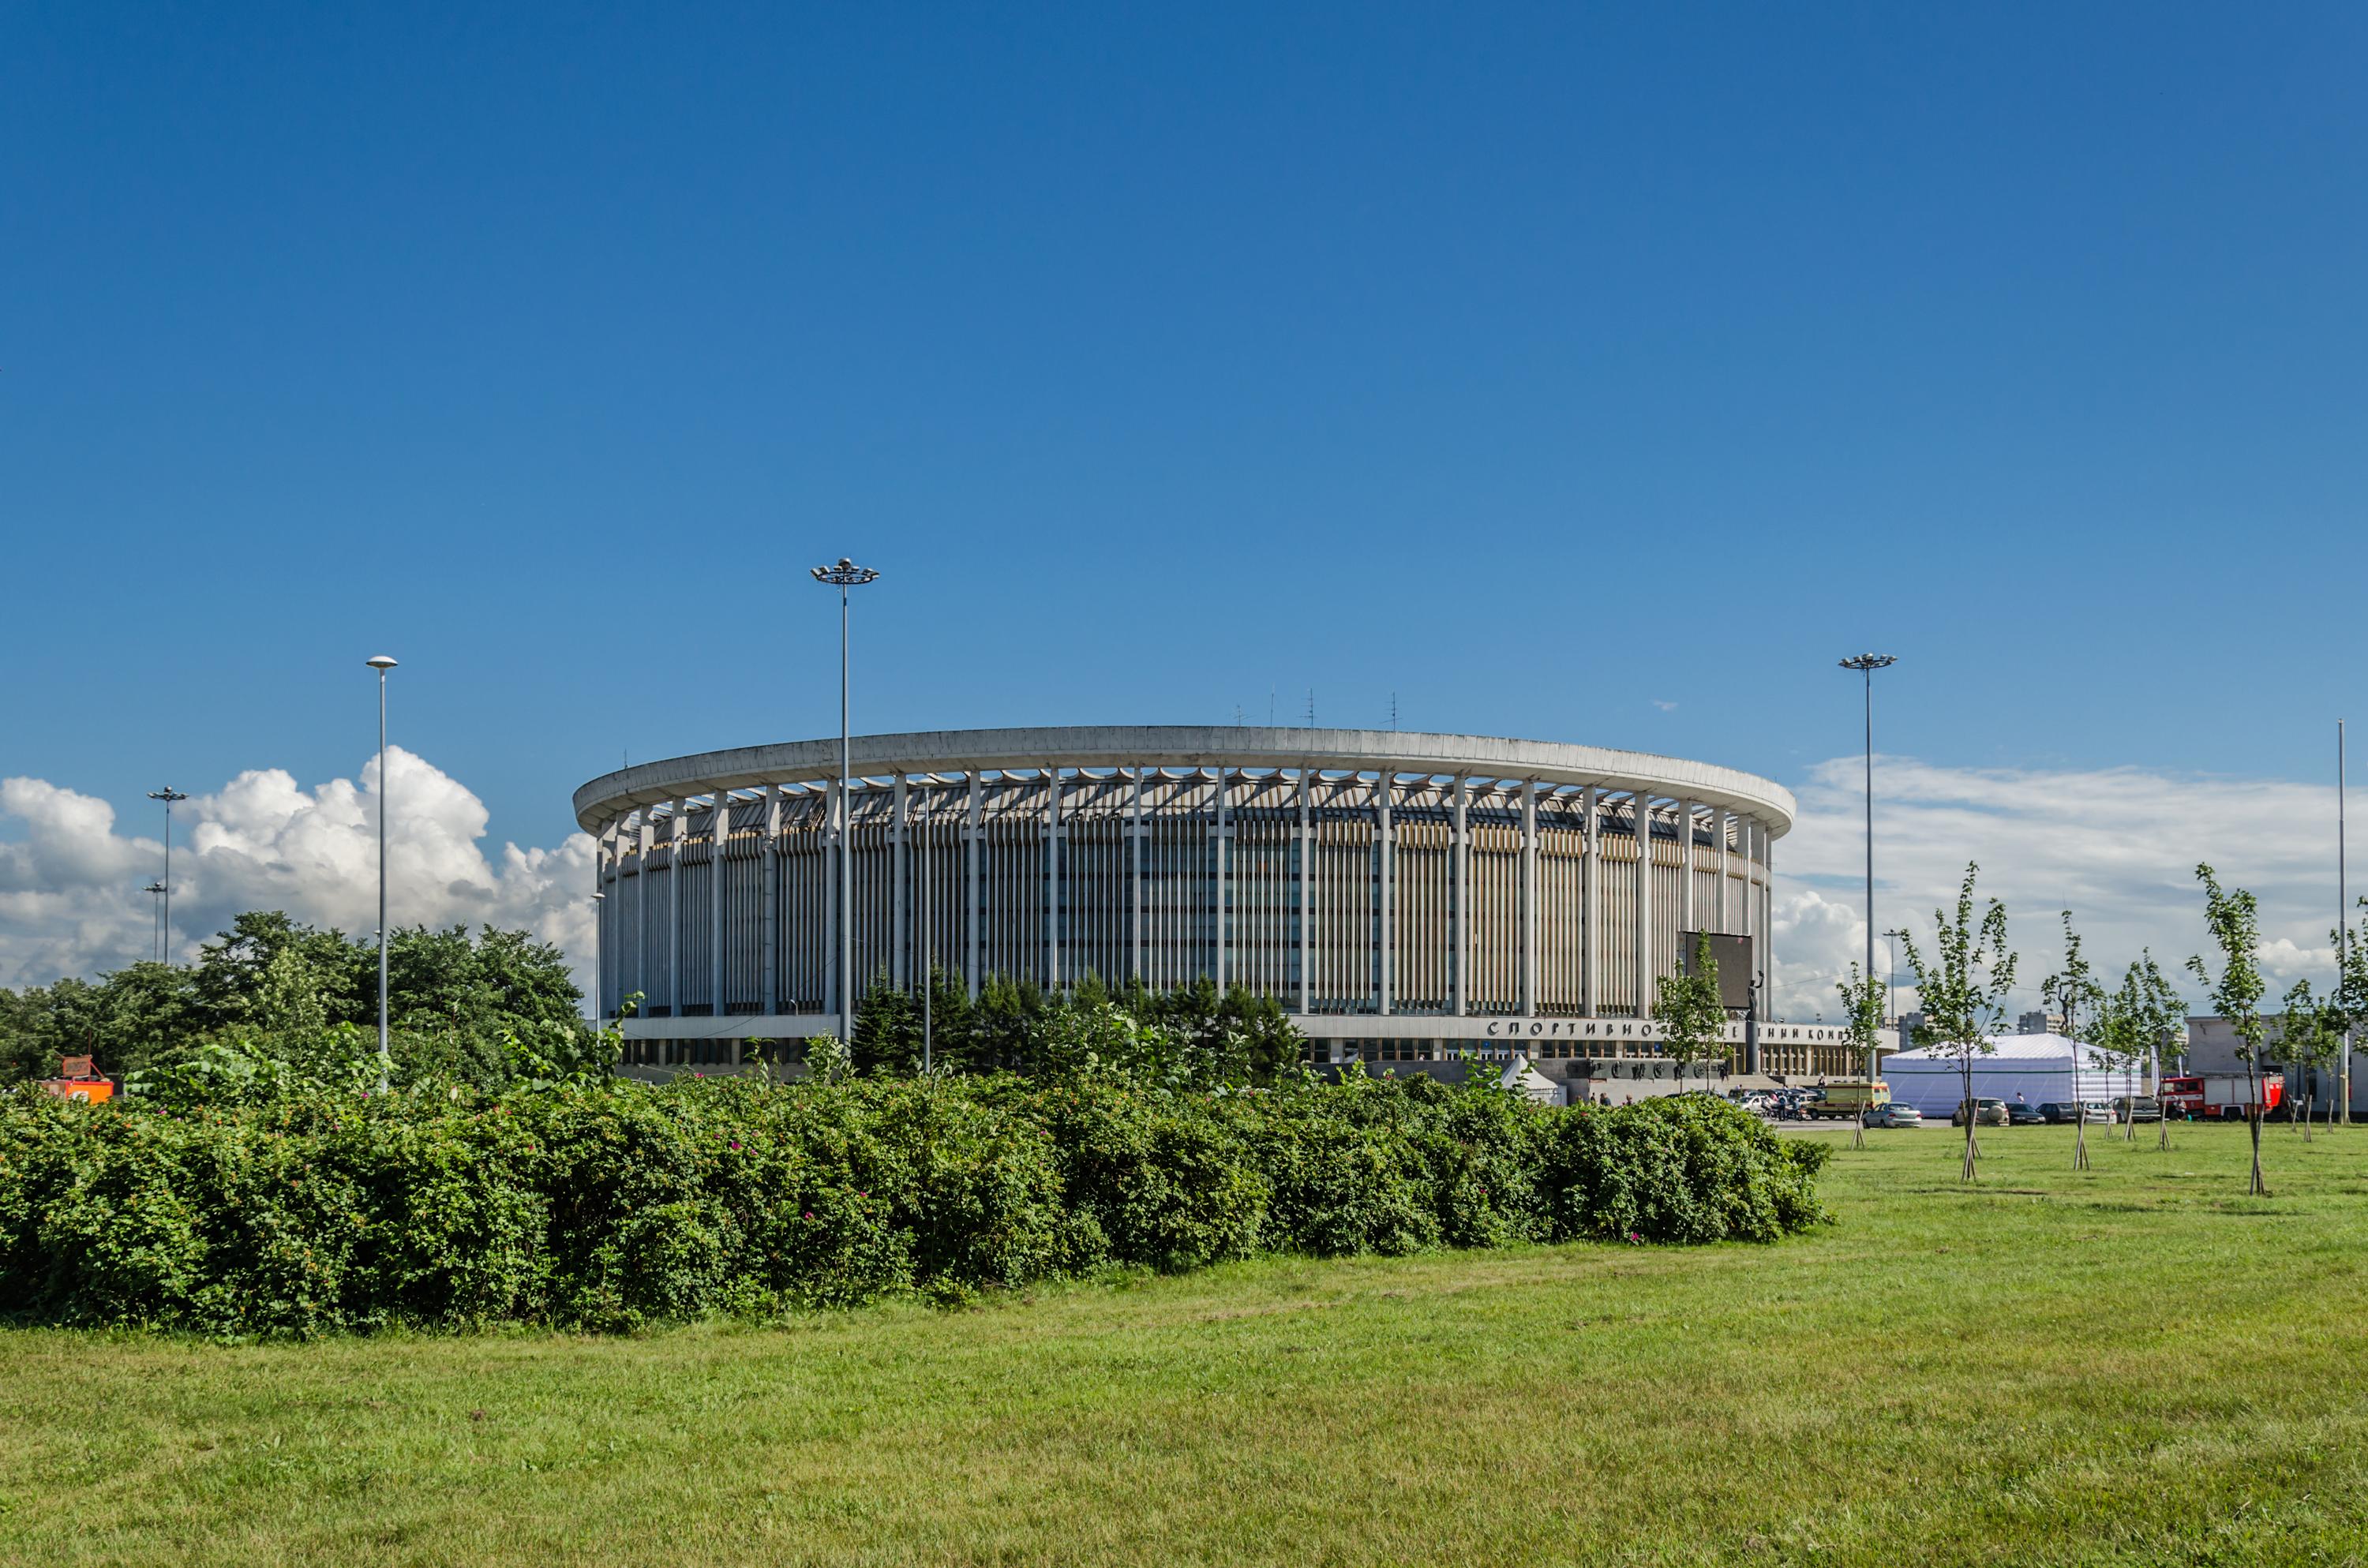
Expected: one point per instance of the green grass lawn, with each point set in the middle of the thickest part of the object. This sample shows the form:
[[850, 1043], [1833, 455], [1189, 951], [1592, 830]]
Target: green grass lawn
[[2136, 1364]]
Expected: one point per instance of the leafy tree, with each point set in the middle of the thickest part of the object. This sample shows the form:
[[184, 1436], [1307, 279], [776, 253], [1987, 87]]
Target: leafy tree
[[273, 986], [1692, 1018], [1862, 1001], [2074, 989], [1962, 990], [2134, 1024], [2350, 1001], [2162, 1017], [2234, 920], [887, 1028], [2310, 1036]]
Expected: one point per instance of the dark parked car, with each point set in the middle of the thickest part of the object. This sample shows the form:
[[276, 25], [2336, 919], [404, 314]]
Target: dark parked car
[[2056, 1112], [2021, 1115]]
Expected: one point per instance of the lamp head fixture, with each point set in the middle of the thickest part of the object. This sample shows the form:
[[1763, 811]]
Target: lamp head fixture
[[381, 662], [1869, 660], [846, 575]]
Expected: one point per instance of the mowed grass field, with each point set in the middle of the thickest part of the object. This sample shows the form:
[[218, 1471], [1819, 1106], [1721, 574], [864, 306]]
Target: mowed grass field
[[2136, 1364]]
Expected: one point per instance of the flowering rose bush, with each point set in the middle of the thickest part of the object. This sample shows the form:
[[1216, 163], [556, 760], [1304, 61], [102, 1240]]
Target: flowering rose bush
[[611, 1207]]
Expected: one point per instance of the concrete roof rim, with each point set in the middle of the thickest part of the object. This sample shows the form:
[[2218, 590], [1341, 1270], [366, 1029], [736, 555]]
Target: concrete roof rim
[[602, 800]]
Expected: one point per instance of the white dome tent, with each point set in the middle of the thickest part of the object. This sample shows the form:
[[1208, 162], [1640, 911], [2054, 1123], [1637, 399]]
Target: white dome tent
[[2039, 1067]]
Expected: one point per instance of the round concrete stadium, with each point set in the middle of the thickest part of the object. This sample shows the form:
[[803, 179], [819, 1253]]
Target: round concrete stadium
[[1407, 898]]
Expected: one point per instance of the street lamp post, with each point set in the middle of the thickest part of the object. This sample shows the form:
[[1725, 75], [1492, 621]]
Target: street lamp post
[[1891, 991], [155, 920], [1866, 664], [846, 575], [382, 664], [168, 795], [2342, 936]]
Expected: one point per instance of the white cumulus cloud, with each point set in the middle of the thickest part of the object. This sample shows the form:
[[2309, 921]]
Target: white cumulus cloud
[[69, 885], [2117, 847]]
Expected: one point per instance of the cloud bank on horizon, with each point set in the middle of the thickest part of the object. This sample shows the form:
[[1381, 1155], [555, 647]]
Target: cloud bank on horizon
[[70, 898], [2117, 847]]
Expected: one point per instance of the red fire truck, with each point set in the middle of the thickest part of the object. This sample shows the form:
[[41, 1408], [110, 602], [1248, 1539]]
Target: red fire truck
[[2219, 1096]]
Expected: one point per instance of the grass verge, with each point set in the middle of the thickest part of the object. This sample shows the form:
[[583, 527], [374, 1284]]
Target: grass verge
[[2134, 1364]]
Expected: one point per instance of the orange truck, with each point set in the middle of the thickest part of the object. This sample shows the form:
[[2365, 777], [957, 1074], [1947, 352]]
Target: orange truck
[[78, 1079]]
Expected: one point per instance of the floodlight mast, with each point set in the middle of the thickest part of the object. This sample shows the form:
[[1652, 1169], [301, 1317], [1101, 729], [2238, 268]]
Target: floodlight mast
[[844, 575], [382, 664], [1866, 664], [155, 920], [168, 795]]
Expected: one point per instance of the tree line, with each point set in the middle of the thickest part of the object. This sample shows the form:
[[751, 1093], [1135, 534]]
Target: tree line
[[276, 988], [1962, 985], [1195, 1034]]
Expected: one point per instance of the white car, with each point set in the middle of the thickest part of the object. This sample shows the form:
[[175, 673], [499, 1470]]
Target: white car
[[1895, 1115], [2096, 1111]]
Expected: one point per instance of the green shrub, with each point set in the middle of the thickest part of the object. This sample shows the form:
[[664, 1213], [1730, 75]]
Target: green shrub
[[610, 1206]]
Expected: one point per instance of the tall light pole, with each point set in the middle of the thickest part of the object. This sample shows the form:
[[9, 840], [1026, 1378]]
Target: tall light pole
[[2342, 933], [846, 575], [1866, 664], [382, 664], [168, 795], [1891, 991], [155, 920]]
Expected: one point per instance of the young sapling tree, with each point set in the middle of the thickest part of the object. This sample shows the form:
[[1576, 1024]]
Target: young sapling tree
[[1862, 999], [1962, 990], [2074, 989], [2234, 919]]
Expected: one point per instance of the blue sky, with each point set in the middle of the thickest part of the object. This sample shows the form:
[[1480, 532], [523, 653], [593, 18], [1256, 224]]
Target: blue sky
[[1541, 366]]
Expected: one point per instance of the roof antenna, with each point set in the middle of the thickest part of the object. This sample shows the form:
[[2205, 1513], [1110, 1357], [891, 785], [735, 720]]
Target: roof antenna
[[1311, 708], [1394, 712]]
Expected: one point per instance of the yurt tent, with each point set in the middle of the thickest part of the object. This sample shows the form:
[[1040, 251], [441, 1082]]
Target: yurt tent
[[1523, 1078], [2039, 1067]]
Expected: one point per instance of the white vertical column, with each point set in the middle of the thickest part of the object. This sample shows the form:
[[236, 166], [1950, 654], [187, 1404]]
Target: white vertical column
[[1767, 907], [719, 828], [772, 899], [1722, 824], [834, 844], [1590, 895], [898, 935], [1530, 899], [1217, 887], [1052, 879], [676, 821], [1641, 812], [1134, 869], [1306, 903], [644, 839], [1688, 918], [1459, 925], [1387, 860], [970, 884]]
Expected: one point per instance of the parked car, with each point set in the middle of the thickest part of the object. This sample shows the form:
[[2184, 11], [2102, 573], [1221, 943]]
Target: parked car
[[2096, 1111], [2054, 1112], [2144, 1108], [1894, 1114], [1986, 1113], [2021, 1115]]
